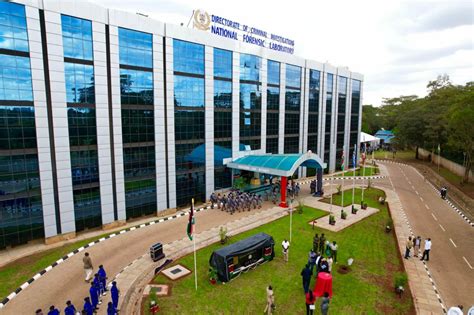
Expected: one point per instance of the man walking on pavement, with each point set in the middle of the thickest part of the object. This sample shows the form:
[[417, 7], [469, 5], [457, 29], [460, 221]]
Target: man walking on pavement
[[426, 252], [88, 269], [114, 292], [408, 246], [286, 247], [102, 279]]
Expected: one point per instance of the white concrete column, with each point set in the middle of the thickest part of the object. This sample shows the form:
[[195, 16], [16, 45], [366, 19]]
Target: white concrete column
[[159, 117], [281, 128], [102, 122], [209, 118], [117, 121], [41, 121], [169, 75], [60, 120], [264, 80], [235, 104]]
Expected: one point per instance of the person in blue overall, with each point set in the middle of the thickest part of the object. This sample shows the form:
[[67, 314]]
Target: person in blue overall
[[111, 309], [88, 308], [102, 279], [53, 310], [98, 284], [94, 293], [70, 309], [114, 291]]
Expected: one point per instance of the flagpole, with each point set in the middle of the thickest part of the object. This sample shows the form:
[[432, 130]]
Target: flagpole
[[343, 171], [332, 184], [439, 155], [363, 178], [354, 167], [194, 248], [291, 216]]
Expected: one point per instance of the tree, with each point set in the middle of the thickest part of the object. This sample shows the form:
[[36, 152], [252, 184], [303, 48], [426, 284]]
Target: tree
[[370, 120], [460, 125]]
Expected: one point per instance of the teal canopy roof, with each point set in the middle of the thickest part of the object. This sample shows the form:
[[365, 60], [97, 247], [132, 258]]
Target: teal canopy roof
[[277, 164]]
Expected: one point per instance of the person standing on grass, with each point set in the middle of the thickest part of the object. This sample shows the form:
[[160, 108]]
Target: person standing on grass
[[333, 247], [330, 261], [316, 243], [88, 309], [306, 275], [312, 259], [88, 269], [408, 246], [114, 292], [322, 243], [310, 300], [426, 252], [70, 309], [286, 247], [325, 304], [270, 301]]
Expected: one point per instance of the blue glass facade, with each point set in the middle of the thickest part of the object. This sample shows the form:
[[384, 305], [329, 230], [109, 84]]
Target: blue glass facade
[[328, 124], [292, 109], [273, 106], [77, 37], [222, 117], [341, 117], [138, 134], [313, 109], [21, 215], [135, 48], [250, 100], [13, 30], [80, 97], [189, 122], [355, 107]]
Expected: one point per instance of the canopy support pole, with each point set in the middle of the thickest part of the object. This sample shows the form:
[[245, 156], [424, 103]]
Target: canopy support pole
[[283, 184]]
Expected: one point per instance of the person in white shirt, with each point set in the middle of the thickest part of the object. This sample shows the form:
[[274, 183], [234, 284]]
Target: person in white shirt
[[286, 247], [330, 261], [426, 253]]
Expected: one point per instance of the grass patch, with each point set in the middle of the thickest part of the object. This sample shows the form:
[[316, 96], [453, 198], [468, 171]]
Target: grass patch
[[401, 155], [369, 171], [371, 196], [367, 289], [19, 271]]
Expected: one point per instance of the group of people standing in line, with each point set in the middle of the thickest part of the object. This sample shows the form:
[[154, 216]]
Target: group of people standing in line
[[97, 289], [415, 243]]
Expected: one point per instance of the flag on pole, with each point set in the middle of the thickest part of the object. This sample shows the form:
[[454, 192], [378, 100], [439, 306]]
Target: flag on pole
[[354, 155], [191, 221], [342, 160]]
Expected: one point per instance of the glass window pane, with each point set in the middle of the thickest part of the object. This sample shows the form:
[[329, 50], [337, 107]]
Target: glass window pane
[[135, 48], [188, 57], [77, 37], [222, 63]]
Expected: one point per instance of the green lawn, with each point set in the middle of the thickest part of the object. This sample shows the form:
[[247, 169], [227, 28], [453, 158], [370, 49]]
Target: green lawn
[[365, 290], [369, 171], [402, 155], [370, 195], [18, 272]]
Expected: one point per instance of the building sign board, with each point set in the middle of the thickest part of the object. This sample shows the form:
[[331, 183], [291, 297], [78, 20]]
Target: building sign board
[[241, 32]]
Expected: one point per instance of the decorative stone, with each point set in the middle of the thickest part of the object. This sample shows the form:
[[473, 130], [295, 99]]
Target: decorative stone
[[176, 272]]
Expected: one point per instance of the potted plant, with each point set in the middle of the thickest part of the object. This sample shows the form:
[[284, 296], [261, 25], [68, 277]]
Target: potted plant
[[332, 219], [389, 225], [343, 214], [212, 276], [339, 189], [354, 210], [223, 235], [299, 208], [363, 205], [401, 280]]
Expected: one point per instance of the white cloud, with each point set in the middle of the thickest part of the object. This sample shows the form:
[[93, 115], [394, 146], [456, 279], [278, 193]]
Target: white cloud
[[398, 45]]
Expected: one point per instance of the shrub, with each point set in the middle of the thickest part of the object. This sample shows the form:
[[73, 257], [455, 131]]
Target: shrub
[[369, 183], [239, 183], [339, 189], [400, 279], [223, 235], [300, 207]]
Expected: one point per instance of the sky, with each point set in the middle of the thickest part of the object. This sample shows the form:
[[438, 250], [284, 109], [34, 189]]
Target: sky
[[397, 45]]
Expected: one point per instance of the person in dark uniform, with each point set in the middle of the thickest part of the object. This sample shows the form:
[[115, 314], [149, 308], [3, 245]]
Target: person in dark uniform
[[114, 291], [53, 310], [94, 293], [306, 275], [70, 309], [102, 279], [316, 243], [111, 309], [322, 242], [88, 308]]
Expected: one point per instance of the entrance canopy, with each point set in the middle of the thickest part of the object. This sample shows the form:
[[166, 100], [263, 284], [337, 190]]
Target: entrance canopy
[[277, 164]]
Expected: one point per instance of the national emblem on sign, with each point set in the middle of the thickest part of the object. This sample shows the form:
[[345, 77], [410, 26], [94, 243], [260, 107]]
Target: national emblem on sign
[[201, 20]]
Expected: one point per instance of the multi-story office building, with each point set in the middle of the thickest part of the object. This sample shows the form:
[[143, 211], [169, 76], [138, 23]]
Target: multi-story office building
[[107, 115]]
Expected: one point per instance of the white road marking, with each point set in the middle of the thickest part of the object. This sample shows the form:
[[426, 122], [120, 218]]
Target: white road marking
[[412, 187], [416, 191], [436, 219], [467, 262], [409, 182], [421, 198], [426, 206], [442, 228], [453, 243]]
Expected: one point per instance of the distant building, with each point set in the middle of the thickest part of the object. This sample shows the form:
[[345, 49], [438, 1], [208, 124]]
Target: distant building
[[385, 137]]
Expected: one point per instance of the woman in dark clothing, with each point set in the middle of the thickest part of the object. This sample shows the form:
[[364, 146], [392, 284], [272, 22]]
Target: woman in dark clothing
[[310, 299]]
